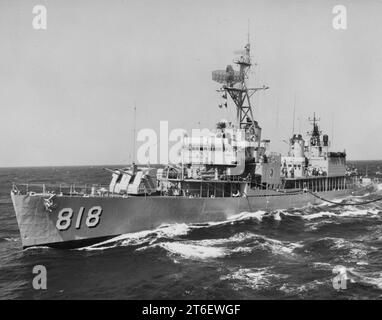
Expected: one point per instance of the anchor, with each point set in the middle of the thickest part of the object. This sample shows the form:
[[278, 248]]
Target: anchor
[[49, 204]]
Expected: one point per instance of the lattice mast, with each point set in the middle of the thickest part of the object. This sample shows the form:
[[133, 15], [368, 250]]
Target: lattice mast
[[315, 134], [235, 84]]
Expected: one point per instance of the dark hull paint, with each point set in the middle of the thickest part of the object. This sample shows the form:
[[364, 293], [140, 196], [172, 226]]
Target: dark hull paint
[[125, 215]]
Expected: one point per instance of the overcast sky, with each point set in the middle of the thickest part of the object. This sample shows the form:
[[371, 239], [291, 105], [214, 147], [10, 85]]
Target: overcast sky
[[67, 93]]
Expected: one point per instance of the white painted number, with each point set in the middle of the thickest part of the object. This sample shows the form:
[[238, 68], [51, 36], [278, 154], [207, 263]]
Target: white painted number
[[93, 217], [79, 217], [64, 218]]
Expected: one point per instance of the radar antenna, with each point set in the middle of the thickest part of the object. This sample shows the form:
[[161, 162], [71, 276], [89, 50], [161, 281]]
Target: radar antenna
[[235, 84]]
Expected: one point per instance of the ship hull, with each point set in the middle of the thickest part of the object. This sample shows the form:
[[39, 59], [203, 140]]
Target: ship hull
[[78, 221]]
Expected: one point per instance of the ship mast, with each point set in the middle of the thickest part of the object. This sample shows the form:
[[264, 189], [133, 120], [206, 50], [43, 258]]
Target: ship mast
[[315, 134], [240, 93]]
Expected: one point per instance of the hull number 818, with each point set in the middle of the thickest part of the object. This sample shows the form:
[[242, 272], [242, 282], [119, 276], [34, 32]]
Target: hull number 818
[[65, 217]]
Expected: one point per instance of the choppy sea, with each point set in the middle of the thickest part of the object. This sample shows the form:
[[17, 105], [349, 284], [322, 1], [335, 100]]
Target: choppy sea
[[284, 254]]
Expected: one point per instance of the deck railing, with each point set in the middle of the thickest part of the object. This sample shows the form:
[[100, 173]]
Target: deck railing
[[62, 189], [209, 188]]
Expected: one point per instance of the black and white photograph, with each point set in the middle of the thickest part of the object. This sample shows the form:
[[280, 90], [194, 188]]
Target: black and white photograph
[[212, 151]]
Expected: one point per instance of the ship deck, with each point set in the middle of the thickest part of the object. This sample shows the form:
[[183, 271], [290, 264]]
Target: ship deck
[[195, 188]]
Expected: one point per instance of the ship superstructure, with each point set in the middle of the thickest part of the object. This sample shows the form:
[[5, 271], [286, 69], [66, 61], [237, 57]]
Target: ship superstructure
[[310, 163], [225, 163], [233, 159]]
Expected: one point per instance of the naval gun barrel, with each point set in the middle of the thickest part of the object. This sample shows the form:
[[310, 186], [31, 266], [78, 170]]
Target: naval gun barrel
[[118, 171]]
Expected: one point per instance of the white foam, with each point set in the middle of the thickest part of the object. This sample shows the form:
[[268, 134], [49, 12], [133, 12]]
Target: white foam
[[286, 213], [351, 212], [254, 278], [311, 226], [11, 239], [354, 213], [277, 216], [357, 251], [38, 248], [318, 215], [242, 250], [247, 215], [295, 289], [322, 265], [374, 278], [374, 212], [174, 230], [368, 278], [138, 238], [268, 244], [193, 251], [278, 247], [217, 248]]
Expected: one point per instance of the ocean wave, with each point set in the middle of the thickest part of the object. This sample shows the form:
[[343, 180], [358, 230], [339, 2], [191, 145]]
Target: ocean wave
[[317, 225], [301, 289], [343, 249], [247, 216], [38, 248], [322, 266], [340, 243], [318, 215], [277, 215], [240, 243], [351, 212], [253, 278], [355, 276], [143, 237], [374, 234], [369, 278], [239, 217], [193, 251], [9, 239], [169, 231]]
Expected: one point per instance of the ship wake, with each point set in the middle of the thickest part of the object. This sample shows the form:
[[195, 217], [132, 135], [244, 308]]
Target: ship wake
[[243, 232]]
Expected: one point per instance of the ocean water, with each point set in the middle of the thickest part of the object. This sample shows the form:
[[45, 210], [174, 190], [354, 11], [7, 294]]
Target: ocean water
[[284, 254]]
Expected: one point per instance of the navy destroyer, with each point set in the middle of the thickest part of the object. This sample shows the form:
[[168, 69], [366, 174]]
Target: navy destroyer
[[229, 172]]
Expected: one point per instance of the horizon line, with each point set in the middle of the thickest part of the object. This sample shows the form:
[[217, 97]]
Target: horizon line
[[117, 164]]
